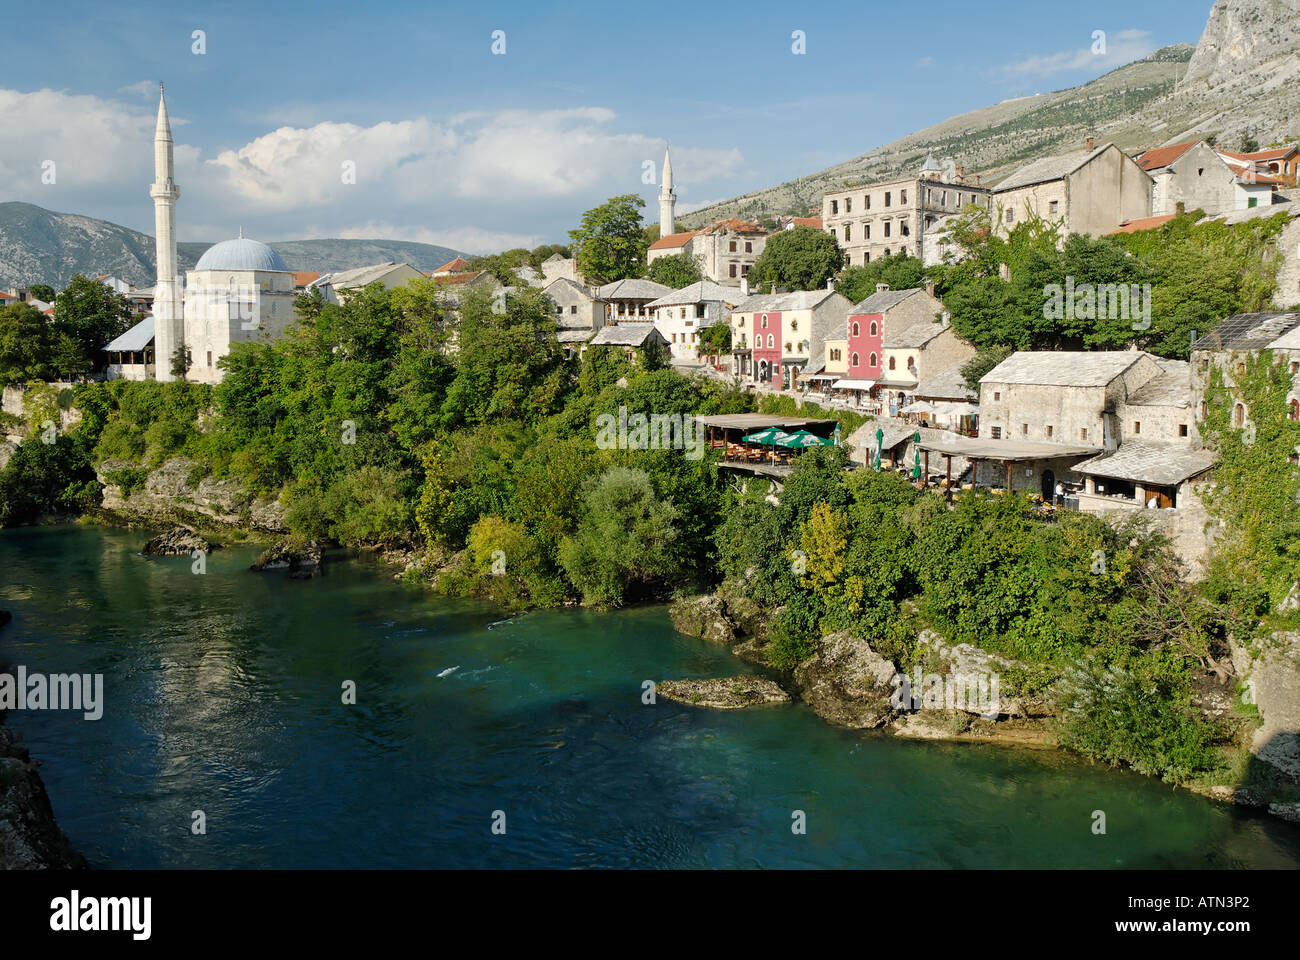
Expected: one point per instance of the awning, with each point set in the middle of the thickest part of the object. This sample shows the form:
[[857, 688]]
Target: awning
[[853, 384], [135, 339], [920, 406], [945, 408], [822, 376]]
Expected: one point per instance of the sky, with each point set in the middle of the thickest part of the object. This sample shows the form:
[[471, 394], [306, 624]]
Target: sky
[[455, 144]]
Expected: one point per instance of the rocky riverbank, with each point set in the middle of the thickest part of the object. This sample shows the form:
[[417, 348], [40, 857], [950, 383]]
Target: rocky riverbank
[[962, 693]]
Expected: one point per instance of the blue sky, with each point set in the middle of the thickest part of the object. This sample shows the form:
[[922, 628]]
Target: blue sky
[[453, 144]]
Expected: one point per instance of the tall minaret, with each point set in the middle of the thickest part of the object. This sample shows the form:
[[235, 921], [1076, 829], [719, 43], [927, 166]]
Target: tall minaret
[[168, 312], [667, 198]]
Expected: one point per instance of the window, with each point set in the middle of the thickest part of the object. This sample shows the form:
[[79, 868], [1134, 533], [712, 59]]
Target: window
[[856, 328], [874, 328], [1011, 216], [787, 347], [763, 321], [866, 201], [866, 257], [749, 246], [771, 341], [835, 354], [732, 271], [911, 362], [732, 247], [887, 198], [835, 207], [848, 232], [744, 269], [1083, 433], [887, 226], [1050, 430], [854, 360], [573, 308], [997, 433], [886, 251], [902, 196], [209, 358], [848, 204], [873, 361], [1182, 429], [1053, 207], [866, 231], [794, 324], [891, 363], [997, 395], [1293, 410], [906, 228], [1024, 429]]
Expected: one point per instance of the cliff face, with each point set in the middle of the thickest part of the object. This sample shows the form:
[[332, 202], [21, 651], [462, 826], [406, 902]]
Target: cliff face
[[1245, 40], [29, 837], [178, 491]]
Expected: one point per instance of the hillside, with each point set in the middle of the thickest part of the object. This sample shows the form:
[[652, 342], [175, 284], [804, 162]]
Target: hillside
[[1242, 78], [41, 246]]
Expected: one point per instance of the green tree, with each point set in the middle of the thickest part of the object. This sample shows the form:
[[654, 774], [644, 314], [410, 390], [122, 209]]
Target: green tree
[[800, 259], [610, 242], [42, 291], [92, 314], [27, 345], [899, 270], [680, 270]]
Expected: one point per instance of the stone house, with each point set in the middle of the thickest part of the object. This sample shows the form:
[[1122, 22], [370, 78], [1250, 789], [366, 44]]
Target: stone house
[[556, 267], [923, 350], [883, 219], [725, 249], [630, 337], [1234, 341], [1090, 192], [884, 314], [628, 301], [390, 274], [776, 336], [1194, 176], [578, 314], [682, 314]]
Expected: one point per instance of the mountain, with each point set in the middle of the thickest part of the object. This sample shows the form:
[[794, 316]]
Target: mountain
[[1242, 79], [41, 246]]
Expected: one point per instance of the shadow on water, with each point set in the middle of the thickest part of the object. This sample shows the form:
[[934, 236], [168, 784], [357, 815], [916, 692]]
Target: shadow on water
[[224, 694]]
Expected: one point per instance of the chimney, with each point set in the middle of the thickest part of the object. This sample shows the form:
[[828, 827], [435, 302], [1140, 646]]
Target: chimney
[[929, 288], [945, 319], [881, 287], [1090, 143], [744, 286], [961, 175], [830, 284]]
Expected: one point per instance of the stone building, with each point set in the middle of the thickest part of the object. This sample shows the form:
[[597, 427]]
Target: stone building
[[682, 314], [922, 351], [333, 286], [886, 313], [556, 267], [1230, 345], [578, 314], [1194, 176], [630, 338], [776, 336], [628, 301], [883, 219], [1090, 192], [725, 250]]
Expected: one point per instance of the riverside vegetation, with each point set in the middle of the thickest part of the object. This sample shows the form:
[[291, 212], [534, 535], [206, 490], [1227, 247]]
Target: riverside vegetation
[[466, 441]]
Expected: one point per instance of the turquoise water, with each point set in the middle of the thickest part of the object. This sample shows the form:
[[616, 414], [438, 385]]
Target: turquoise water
[[223, 694]]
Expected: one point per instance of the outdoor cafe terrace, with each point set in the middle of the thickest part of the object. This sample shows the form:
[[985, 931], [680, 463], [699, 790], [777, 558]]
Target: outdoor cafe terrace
[[762, 444]]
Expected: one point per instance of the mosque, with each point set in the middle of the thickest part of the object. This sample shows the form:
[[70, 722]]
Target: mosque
[[240, 290]]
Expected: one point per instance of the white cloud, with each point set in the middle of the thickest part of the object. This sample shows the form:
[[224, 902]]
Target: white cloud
[[144, 88], [1121, 47], [923, 62]]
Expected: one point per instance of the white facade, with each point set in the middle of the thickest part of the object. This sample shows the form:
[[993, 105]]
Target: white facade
[[224, 307]]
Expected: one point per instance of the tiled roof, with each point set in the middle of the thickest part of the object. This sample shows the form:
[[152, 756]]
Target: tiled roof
[[1063, 368], [1139, 461], [302, 278], [735, 224], [1248, 331], [624, 335], [815, 222], [1173, 388], [1049, 168], [915, 336], [1260, 155], [698, 292], [1159, 157], [360, 276], [673, 240], [1145, 223], [773, 302], [949, 385], [454, 266], [632, 290], [881, 301]]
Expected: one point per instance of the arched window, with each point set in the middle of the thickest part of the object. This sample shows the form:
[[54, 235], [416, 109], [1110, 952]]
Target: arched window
[[764, 321], [874, 328], [891, 363], [1239, 416], [853, 360], [771, 341], [872, 361], [1293, 410], [911, 362], [856, 328]]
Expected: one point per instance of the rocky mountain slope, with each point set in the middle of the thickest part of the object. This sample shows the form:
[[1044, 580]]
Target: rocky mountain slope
[[41, 246], [1242, 79]]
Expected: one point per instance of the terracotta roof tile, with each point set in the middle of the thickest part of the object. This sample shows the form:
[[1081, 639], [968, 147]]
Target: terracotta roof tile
[[1159, 157]]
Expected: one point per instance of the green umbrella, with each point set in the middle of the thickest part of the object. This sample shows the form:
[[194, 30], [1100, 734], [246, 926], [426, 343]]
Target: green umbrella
[[880, 446], [768, 436], [916, 443], [801, 439]]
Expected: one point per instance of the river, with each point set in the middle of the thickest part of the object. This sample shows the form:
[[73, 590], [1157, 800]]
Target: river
[[223, 694]]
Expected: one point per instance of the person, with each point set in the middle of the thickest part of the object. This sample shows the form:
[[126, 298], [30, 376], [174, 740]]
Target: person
[[1152, 504], [1060, 493]]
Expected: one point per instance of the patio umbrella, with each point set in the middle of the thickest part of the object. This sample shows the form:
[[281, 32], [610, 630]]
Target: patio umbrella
[[768, 436], [916, 445], [802, 438], [880, 445]]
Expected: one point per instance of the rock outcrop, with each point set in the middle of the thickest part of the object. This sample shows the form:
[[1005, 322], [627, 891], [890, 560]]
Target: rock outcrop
[[726, 693], [704, 617], [1272, 678], [847, 683], [29, 837], [302, 561], [179, 489], [176, 542]]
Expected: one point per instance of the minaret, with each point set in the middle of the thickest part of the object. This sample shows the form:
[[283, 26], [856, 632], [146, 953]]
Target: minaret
[[168, 310], [667, 198]]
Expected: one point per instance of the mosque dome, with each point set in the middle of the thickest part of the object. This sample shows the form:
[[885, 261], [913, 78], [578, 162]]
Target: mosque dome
[[240, 254]]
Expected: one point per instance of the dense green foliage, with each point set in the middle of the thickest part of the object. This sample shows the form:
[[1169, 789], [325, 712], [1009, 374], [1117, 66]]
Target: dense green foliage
[[800, 259], [680, 270], [87, 315], [610, 241]]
